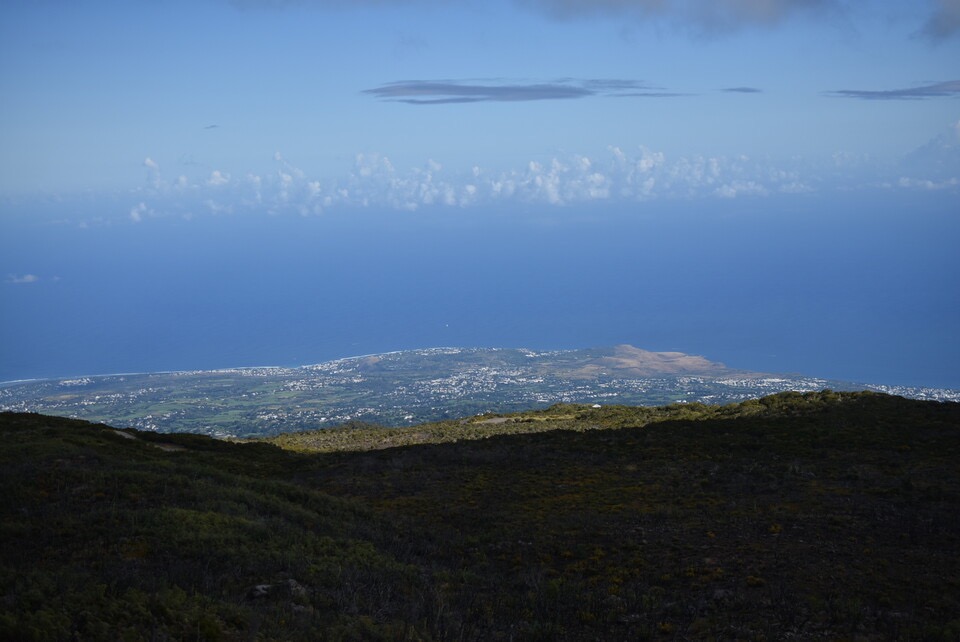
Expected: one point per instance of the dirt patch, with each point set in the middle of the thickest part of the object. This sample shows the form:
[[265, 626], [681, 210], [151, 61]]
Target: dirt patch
[[161, 445], [170, 448]]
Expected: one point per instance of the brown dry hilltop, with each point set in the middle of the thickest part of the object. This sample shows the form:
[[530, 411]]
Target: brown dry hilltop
[[629, 362]]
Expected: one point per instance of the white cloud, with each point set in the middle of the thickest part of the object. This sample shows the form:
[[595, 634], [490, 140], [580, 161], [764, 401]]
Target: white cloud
[[18, 279], [287, 167], [927, 184], [619, 175], [741, 188], [640, 175], [218, 178], [137, 212], [153, 168], [217, 208]]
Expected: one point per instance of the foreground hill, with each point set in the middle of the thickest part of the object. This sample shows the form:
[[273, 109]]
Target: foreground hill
[[814, 516], [404, 389]]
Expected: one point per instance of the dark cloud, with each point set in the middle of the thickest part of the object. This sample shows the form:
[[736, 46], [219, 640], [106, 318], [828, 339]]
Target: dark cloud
[[702, 15], [443, 92], [606, 84], [324, 4], [649, 94], [699, 16], [936, 90], [742, 90], [423, 92], [945, 21], [705, 15]]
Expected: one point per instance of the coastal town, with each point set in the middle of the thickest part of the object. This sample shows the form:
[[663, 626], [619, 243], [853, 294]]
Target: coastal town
[[399, 389]]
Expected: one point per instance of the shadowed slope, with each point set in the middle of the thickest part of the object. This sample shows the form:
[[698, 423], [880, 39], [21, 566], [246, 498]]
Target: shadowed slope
[[817, 516]]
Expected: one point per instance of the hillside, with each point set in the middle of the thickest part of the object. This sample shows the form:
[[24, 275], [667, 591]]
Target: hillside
[[813, 516]]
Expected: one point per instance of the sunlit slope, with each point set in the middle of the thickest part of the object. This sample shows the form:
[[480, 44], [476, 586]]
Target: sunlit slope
[[822, 515]]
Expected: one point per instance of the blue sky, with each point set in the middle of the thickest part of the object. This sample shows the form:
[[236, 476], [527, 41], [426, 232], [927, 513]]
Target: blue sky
[[770, 183], [309, 104]]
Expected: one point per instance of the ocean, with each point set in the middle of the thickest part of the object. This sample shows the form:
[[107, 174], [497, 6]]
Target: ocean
[[837, 287]]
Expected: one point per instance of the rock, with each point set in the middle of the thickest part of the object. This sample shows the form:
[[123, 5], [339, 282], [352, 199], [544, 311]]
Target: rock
[[722, 595], [259, 591], [295, 589]]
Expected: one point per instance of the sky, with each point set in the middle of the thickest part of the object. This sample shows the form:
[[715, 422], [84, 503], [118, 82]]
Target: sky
[[402, 101], [129, 120]]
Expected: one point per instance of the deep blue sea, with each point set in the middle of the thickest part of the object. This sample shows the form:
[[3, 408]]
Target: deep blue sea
[[841, 288]]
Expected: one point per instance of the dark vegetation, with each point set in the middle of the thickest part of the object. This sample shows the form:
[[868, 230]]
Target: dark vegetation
[[813, 516]]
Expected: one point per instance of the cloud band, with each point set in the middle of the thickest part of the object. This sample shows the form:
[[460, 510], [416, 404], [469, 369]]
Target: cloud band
[[936, 90], [440, 92]]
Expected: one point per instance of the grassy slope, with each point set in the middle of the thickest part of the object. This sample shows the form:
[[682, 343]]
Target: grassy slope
[[819, 515]]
